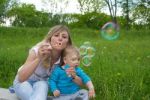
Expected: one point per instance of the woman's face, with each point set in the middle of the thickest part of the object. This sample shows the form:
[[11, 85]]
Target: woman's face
[[59, 40]]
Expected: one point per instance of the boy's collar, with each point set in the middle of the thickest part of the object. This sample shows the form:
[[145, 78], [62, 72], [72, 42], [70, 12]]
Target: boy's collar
[[65, 66]]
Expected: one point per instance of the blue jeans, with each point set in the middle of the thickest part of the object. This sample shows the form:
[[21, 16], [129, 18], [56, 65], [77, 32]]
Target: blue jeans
[[79, 95], [31, 90]]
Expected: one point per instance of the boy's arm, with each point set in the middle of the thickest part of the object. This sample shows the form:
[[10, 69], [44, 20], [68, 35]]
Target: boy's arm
[[52, 80], [73, 73], [84, 77], [76, 79], [90, 86], [86, 80]]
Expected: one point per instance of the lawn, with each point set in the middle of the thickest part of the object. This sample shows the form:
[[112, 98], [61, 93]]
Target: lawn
[[120, 70]]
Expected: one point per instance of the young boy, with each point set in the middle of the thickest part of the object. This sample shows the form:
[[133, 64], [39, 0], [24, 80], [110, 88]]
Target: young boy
[[62, 83]]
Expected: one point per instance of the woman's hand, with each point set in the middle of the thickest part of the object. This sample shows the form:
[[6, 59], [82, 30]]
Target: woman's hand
[[44, 51]]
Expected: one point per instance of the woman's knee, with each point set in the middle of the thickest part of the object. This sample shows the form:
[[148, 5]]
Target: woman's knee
[[41, 84], [24, 86], [23, 90]]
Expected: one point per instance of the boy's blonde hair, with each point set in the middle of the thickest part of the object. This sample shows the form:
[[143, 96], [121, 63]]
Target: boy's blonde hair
[[68, 50]]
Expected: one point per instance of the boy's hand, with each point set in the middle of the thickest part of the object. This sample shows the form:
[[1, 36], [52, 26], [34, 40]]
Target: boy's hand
[[70, 71], [56, 93], [91, 93]]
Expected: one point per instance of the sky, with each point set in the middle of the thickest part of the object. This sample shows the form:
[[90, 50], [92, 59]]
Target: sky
[[72, 6]]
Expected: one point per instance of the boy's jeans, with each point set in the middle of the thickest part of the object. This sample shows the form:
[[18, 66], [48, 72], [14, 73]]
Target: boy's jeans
[[31, 90], [80, 95]]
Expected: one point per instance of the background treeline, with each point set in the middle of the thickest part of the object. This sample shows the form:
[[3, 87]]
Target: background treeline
[[135, 14]]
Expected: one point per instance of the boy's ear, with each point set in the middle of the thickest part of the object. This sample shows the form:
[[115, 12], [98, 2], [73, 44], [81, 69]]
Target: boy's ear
[[65, 60]]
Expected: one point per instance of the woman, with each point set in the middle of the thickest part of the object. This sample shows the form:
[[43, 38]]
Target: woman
[[31, 80]]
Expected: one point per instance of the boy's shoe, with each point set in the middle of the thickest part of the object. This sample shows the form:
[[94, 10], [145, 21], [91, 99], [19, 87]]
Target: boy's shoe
[[78, 98]]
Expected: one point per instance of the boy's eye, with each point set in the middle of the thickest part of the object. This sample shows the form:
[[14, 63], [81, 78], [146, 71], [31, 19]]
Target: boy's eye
[[73, 59], [78, 59]]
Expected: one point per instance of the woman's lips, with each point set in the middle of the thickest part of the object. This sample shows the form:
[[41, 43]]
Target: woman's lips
[[58, 44]]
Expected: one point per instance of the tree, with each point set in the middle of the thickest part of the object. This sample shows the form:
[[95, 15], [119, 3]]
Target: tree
[[55, 6], [141, 13], [87, 6], [4, 6], [127, 6], [112, 5], [25, 15]]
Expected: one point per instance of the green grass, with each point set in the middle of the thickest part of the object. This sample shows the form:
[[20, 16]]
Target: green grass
[[120, 70]]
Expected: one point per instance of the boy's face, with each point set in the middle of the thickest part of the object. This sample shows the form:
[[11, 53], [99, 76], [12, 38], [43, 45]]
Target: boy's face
[[72, 59]]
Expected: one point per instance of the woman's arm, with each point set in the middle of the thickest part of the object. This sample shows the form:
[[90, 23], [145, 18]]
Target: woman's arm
[[28, 67], [33, 61]]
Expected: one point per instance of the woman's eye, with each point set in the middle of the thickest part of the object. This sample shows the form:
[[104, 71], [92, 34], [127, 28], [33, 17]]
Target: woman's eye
[[56, 35], [64, 37]]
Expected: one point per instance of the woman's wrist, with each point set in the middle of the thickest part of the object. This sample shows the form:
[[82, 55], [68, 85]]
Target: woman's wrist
[[38, 59]]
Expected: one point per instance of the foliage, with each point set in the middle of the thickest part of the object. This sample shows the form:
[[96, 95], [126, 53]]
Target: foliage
[[87, 6], [55, 6], [24, 15], [90, 20], [112, 5], [141, 12], [126, 6], [3, 7]]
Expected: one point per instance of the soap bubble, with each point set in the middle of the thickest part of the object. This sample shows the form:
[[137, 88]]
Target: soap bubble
[[110, 31], [87, 51], [83, 50], [86, 61], [90, 51]]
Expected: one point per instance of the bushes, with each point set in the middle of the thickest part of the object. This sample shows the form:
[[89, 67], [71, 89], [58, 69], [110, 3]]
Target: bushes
[[90, 20]]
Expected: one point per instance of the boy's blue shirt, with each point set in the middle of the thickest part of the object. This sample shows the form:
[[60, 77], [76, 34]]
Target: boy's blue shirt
[[59, 80]]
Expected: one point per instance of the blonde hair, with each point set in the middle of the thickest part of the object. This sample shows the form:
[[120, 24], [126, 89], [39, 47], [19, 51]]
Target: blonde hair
[[68, 50], [57, 28]]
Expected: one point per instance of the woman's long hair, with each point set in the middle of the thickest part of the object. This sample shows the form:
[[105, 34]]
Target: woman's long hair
[[47, 39]]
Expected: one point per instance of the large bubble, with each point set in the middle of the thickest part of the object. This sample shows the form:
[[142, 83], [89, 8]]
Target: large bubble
[[110, 31], [83, 50], [86, 61], [87, 51], [90, 51]]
